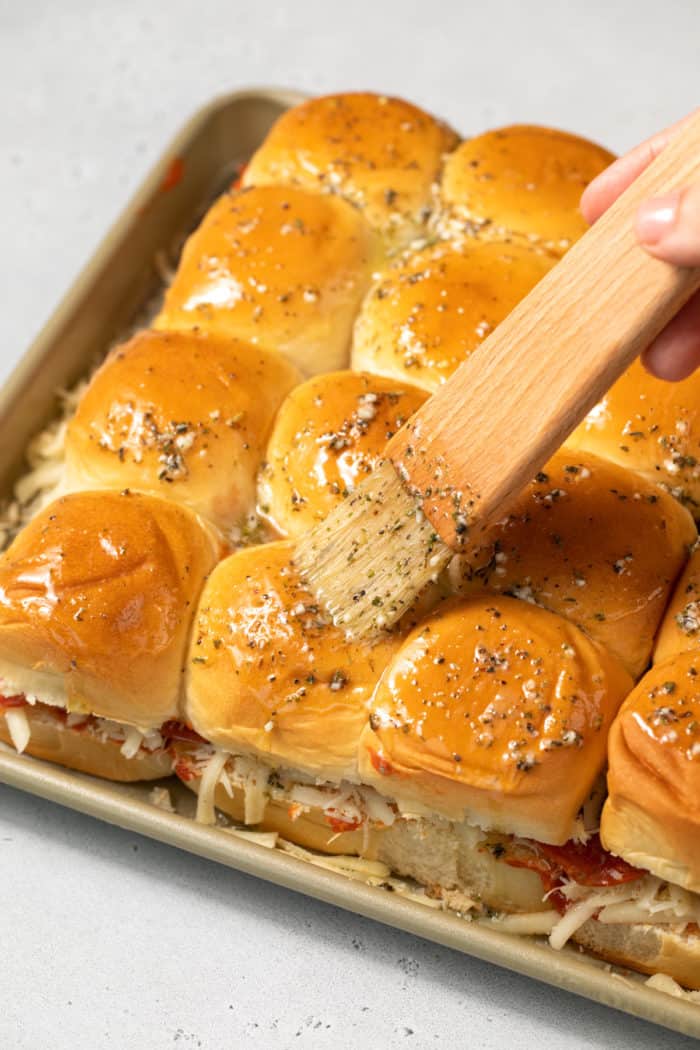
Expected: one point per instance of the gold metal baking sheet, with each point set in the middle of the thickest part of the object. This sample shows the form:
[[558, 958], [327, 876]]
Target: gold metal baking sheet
[[105, 301]]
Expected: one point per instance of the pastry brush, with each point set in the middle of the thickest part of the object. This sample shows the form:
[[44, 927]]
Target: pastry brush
[[472, 447]]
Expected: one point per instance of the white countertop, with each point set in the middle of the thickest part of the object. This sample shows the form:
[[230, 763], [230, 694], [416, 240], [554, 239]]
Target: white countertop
[[110, 940]]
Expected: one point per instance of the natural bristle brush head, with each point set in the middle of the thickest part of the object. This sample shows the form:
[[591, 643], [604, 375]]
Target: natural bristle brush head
[[382, 531]]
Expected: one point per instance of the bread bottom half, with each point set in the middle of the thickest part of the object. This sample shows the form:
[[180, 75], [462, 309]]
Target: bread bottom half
[[459, 862], [86, 751]]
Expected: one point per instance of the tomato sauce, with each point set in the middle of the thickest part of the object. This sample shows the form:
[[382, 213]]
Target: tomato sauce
[[179, 731], [12, 701], [382, 765], [343, 825], [588, 864]]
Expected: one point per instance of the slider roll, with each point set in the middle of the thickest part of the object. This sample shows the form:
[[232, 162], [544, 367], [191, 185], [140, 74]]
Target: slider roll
[[652, 427], [495, 713], [521, 181], [328, 435], [594, 543], [184, 416], [97, 596], [431, 310], [267, 677], [680, 629], [652, 815], [278, 267], [382, 154]]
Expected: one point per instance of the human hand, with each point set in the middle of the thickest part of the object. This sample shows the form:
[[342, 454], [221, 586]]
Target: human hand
[[668, 228]]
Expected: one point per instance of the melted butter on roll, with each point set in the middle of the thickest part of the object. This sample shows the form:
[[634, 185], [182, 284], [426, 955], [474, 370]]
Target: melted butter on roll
[[650, 426], [182, 415], [592, 542], [426, 314], [97, 596], [381, 153], [494, 712], [652, 816], [269, 678], [524, 180], [680, 629], [279, 267], [328, 435]]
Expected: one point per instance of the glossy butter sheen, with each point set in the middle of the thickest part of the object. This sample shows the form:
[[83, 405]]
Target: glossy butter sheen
[[266, 675], [278, 267], [680, 628], [594, 543], [426, 314], [383, 154], [99, 591], [651, 426], [487, 709], [652, 816], [523, 179], [328, 435], [182, 415]]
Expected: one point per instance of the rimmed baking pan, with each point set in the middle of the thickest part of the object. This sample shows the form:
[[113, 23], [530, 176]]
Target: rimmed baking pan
[[107, 299]]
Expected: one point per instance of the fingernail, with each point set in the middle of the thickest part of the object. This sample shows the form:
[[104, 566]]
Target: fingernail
[[657, 217]]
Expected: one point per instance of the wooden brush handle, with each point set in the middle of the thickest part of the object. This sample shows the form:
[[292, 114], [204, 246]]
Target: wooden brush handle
[[481, 437]]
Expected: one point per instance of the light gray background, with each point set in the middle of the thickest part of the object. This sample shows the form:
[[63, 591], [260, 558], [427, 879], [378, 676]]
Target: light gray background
[[109, 940]]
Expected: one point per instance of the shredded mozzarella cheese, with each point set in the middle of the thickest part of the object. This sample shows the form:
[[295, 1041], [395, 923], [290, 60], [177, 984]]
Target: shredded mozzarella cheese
[[577, 915], [268, 839], [132, 744], [352, 867], [18, 728], [206, 813], [160, 797], [253, 778], [534, 923], [649, 901], [661, 982]]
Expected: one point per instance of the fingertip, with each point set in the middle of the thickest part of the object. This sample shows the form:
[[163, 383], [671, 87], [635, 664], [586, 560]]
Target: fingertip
[[663, 365], [587, 205], [675, 354], [603, 191], [668, 227], [596, 198]]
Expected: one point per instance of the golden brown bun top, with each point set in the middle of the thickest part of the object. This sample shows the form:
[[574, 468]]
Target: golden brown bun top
[[381, 153], [680, 629], [426, 314], [496, 712], [524, 179], [652, 817], [97, 594], [651, 426], [266, 676], [328, 435], [592, 542], [278, 267], [182, 415]]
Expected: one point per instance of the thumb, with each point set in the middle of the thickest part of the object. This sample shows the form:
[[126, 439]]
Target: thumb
[[669, 227]]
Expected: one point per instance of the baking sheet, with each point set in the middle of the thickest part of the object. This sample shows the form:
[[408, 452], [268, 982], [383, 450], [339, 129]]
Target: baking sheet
[[107, 299]]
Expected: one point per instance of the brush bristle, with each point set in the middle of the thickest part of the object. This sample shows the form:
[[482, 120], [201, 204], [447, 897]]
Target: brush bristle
[[371, 557]]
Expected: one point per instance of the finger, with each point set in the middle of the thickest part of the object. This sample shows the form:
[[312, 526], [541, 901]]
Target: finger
[[675, 354], [607, 187], [669, 227]]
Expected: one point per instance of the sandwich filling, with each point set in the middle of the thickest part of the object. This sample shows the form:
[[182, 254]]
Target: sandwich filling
[[580, 879], [131, 741]]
